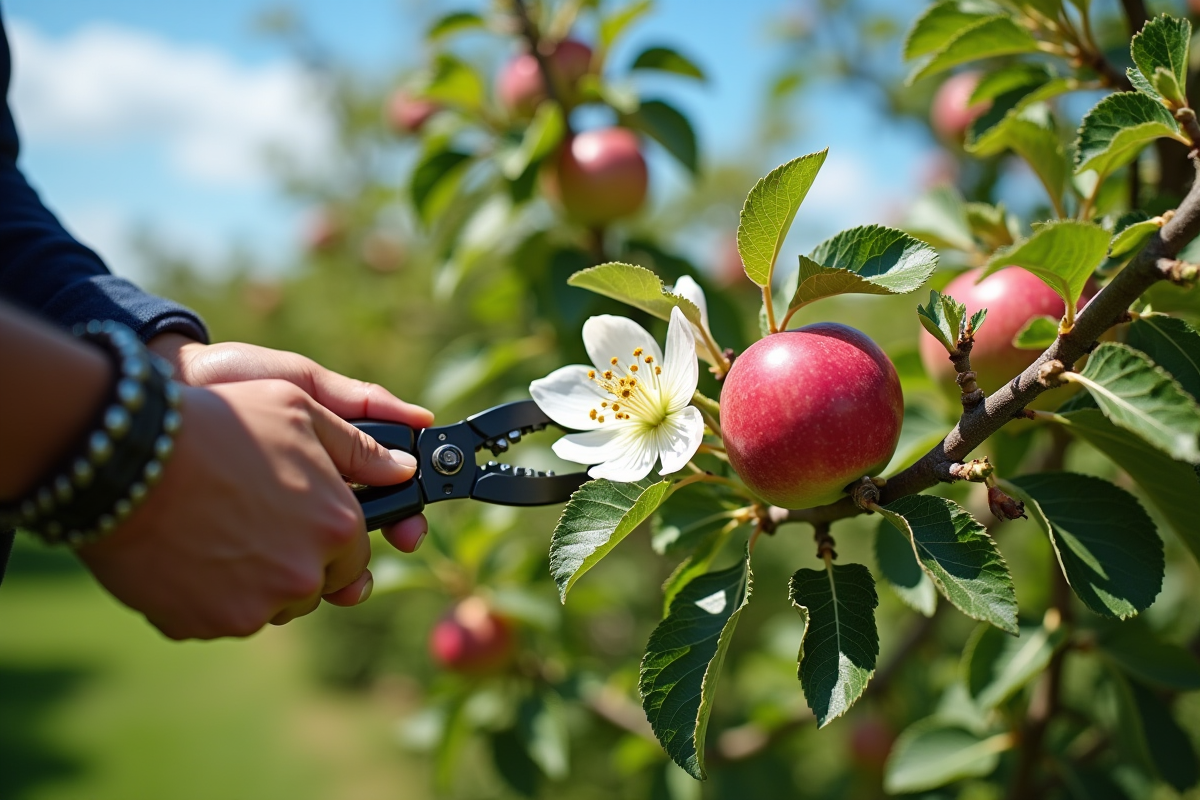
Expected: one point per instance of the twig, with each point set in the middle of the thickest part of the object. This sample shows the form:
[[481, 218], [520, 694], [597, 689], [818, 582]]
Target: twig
[[533, 39]]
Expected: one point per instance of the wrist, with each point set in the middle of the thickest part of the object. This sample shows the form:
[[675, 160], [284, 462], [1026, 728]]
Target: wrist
[[177, 350]]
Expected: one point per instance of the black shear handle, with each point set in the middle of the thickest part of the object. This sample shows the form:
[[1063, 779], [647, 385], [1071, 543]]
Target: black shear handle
[[383, 505]]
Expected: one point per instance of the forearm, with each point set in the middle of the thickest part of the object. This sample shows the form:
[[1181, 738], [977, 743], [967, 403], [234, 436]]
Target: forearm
[[53, 385]]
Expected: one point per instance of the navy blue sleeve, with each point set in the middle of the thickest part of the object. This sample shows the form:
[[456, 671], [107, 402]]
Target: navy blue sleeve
[[45, 270]]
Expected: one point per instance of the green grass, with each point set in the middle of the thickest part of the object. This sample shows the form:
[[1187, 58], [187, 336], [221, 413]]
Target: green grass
[[95, 704]]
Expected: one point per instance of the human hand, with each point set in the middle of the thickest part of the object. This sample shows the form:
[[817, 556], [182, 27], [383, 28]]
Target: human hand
[[199, 364], [252, 521]]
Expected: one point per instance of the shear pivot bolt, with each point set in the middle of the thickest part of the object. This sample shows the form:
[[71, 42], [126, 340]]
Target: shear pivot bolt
[[448, 459]]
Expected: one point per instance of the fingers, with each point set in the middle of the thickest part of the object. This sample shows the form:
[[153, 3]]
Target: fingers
[[356, 455], [357, 592], [297, 609], [354, 399], [407, 535]]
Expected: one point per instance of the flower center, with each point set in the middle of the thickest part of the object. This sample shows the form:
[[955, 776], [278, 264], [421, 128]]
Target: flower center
[[633, 388]]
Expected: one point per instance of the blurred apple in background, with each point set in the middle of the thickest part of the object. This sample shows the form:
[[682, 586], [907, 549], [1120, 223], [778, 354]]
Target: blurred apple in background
[[324, 230], [520, 86], [406, 114], [951, 113], [472, 638], [382, 252], [599, 176]]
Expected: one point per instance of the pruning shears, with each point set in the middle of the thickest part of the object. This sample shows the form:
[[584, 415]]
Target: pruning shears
[[446, 468]]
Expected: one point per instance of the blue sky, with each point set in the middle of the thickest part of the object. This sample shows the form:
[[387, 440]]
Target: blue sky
[[151, 115]]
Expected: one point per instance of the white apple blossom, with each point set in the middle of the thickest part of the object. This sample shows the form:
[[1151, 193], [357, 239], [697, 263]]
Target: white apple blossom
[[632, 405], [687, 288]]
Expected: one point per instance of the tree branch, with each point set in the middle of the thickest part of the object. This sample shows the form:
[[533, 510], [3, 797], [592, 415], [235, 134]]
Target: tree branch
[[534, 41], [1106, 309]]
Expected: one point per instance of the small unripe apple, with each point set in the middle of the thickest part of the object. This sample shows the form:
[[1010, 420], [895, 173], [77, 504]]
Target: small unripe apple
[[808, 412], [951, 113], [599, 176], [472, 638], [1012, 297], [520, 86], [407, 114]]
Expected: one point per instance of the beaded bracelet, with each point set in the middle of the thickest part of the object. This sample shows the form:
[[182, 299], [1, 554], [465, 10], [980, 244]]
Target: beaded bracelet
[[111, 471]]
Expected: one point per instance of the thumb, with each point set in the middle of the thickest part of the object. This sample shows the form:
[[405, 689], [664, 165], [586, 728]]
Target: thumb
[[356, 455]]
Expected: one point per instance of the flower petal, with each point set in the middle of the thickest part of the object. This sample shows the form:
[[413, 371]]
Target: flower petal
[[591, 447], [680, 371], [567, 396], [636, 458], [678, 438], [607, 336], [687, 287]]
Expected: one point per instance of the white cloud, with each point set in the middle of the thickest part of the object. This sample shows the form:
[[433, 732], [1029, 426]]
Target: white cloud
[[214, 117]]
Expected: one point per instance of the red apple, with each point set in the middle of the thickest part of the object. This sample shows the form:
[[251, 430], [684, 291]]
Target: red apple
[[407, 114], [599, 176], [520, 86], [1012, 296], [472, 638], [808, 412], [951, 113]]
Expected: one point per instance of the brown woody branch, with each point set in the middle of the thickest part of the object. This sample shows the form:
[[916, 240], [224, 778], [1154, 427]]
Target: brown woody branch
[[1154, 263], [534, 41]]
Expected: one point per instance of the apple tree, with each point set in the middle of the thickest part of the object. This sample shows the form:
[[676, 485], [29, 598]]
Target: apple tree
[[1002, 511]]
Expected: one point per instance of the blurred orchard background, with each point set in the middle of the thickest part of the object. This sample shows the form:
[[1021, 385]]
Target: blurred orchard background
[[240, 157]]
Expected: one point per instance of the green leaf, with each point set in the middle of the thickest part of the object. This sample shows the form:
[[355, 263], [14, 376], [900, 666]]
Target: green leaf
[[1132, 237], [1167, 745], [1170, 485], [616, 23], [1038, 334], [1032, 134], [669, 127], [455, 83], [542, 726], [1106, 544], [992, 225], [940, 23], [433, 181], [513, 763], [1162, 44], [1141, 397], [840, 643], [939, 217], [768, 213], [1140, 653], [996, 666], [452, 23], [957, 553], [1173, 345], [544, 133], [636, 286], [1064, 254], [664, 59], [987, 135], [867, 260], [683, 659], [997, 35], [598, 516], [933, 753], [944, 318], [698, 561], [900, 570], [687, 517], [1118, 127]]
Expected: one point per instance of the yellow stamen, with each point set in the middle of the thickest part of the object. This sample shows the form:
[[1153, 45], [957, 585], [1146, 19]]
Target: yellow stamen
[[613, 360], [649, 359], [608, 375], [592, 413], [616, 407], [601, 419], [633, 368], [592, 374], [637, 351], [658, 370]]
